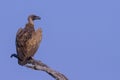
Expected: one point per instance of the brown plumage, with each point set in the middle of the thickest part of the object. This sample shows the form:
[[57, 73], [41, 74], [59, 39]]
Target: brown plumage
[[27, 41]]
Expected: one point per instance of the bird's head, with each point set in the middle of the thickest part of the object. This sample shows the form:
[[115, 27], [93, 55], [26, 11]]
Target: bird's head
[[33, 17]]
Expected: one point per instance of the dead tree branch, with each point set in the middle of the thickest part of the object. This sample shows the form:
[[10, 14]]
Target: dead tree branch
[[38, 65]]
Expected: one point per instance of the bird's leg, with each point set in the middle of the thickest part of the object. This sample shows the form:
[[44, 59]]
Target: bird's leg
[[30, 60]]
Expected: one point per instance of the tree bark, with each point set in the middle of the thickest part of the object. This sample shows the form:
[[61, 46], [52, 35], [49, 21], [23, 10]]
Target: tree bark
[[38, 65]]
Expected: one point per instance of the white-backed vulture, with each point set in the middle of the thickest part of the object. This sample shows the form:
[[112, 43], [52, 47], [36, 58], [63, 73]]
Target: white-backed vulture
[[27, 41]]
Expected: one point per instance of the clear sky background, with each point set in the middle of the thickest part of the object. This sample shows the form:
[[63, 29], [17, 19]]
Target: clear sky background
[[81, 38]]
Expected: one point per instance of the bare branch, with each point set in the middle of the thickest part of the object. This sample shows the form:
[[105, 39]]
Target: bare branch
[[38, 65]]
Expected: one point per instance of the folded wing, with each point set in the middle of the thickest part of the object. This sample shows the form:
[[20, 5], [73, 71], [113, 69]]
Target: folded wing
[[32, 44]]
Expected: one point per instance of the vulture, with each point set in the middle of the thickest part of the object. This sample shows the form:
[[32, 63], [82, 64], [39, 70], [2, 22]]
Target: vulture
[[27, 41]]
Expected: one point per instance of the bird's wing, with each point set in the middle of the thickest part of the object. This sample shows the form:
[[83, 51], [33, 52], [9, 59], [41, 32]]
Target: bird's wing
[[20, 44], [18, 34], [19, 31], [38, 35], [33, 43]]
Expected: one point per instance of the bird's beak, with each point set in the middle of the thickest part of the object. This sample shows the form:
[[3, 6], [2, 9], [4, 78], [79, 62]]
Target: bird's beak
[[37, 18]]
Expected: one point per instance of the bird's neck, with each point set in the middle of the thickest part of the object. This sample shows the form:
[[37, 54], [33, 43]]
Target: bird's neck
[[29, 27], [30, 21]]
